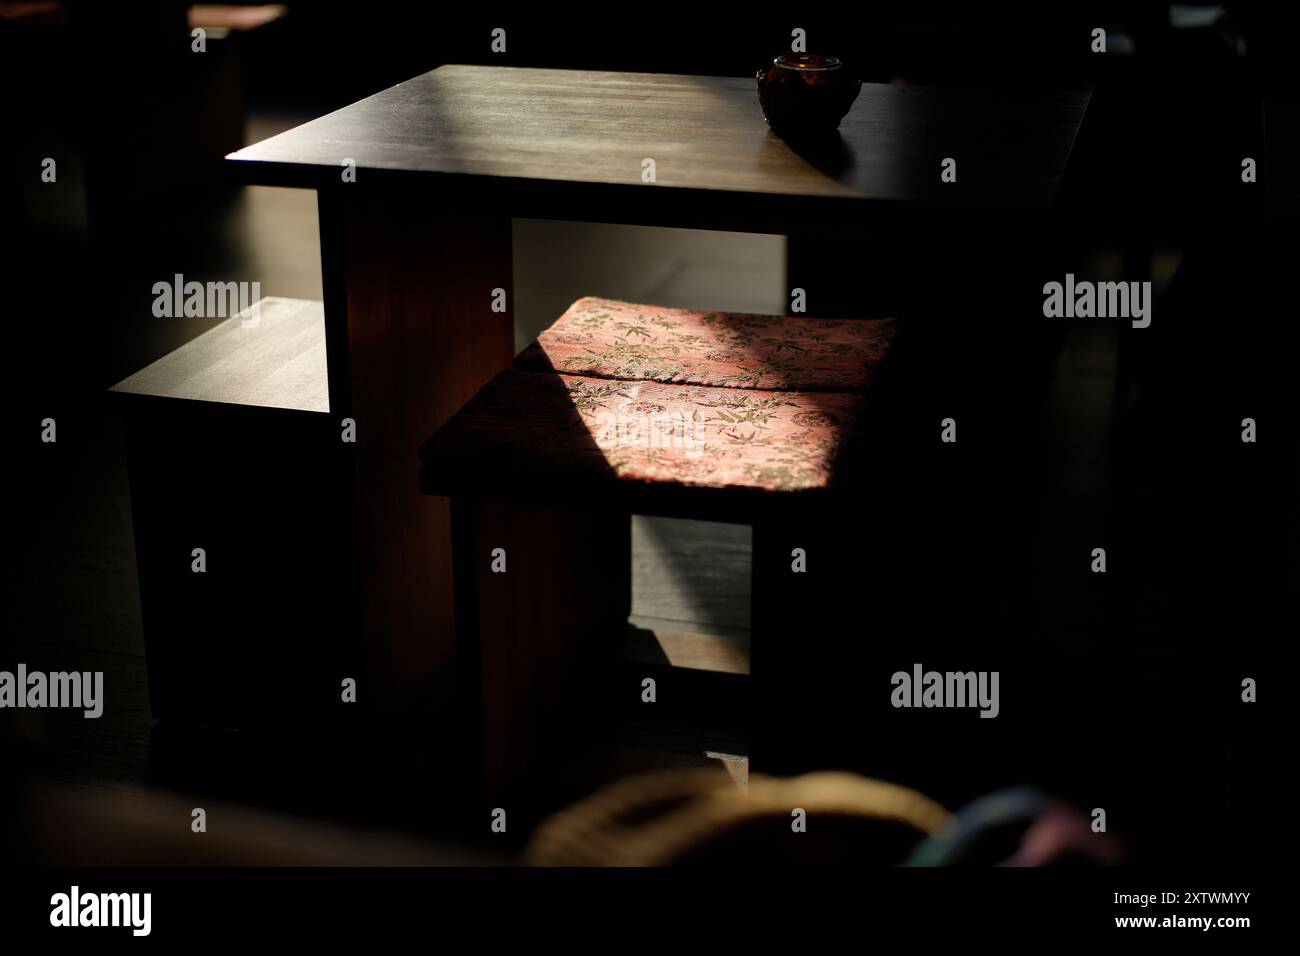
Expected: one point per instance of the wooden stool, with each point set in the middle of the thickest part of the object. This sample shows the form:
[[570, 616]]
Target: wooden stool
[[708, 415], [232, 452]]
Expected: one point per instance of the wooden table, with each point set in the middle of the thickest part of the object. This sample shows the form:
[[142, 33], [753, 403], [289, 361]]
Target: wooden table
[[413, 249]]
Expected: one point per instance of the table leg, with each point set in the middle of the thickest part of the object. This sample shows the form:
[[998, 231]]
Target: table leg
[[411, 335]]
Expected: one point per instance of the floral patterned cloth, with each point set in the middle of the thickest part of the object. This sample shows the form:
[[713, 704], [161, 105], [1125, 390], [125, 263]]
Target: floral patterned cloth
[[575, 426], [605, 338]]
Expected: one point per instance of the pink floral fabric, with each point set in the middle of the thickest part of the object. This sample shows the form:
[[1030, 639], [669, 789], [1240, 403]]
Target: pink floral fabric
[[605, 338], [651, 432]]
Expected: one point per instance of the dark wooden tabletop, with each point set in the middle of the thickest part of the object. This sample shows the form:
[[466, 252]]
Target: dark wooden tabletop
[[572, 143]]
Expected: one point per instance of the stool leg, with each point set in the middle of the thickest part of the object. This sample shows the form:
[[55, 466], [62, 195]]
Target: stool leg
[[468, 734], [543, 596], [809, 640], [785, 644]]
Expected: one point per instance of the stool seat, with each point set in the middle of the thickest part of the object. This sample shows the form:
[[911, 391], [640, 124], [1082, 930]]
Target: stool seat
[[568, 435], [606, 338]]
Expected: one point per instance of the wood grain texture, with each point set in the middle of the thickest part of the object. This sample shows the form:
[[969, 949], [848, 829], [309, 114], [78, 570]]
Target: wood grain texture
[[537, 640], [278, 361], [684, 649], [568, 143], [412, 336], [691, 575]]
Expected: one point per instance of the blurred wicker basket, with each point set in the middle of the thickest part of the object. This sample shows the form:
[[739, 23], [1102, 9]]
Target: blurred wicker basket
[[703, 817]]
